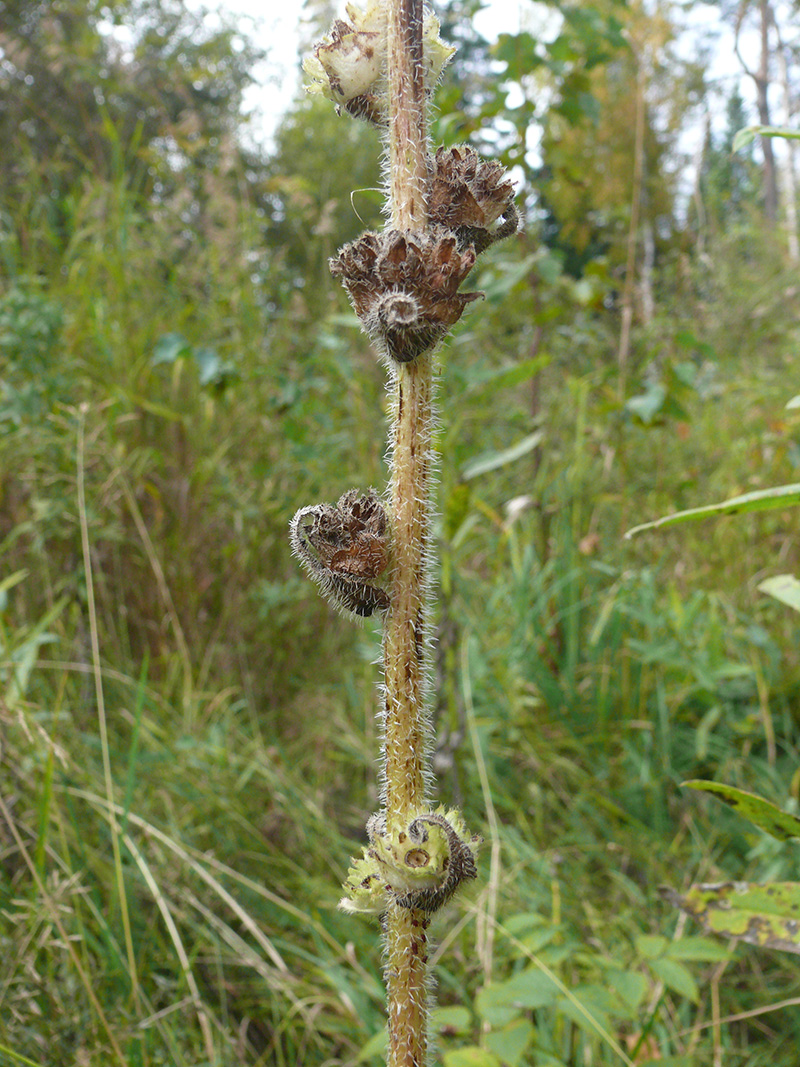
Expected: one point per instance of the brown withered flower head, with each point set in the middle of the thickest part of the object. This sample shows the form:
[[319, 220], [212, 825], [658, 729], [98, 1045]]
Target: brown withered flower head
[[404, 287], [468, 195], [345, 550]]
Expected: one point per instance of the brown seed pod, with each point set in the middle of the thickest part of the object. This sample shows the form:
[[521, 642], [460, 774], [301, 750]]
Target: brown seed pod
[[468, 195], [344, 548], [404, 287]]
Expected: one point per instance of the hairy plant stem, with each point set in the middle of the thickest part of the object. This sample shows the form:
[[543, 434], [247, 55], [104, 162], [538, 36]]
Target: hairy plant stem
[[406, 723]]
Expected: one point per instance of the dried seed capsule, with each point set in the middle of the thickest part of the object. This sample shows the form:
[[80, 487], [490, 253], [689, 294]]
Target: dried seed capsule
[[404, 287], [349, 65], [344, 548], [468, 195]]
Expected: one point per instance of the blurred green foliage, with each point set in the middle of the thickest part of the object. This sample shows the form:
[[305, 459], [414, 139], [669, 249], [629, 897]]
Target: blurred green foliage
[[168, 309]]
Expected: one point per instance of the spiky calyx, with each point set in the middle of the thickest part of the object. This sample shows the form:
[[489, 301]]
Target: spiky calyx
[[345, 550], [468, 195], [349, 65], [418, 865], [404, 287]]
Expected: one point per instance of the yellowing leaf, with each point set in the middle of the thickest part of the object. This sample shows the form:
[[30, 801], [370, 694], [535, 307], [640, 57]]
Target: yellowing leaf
[[763, 915], [767, 816]]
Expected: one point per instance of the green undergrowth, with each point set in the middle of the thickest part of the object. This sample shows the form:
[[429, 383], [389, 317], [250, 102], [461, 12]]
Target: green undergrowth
[[188, 735]]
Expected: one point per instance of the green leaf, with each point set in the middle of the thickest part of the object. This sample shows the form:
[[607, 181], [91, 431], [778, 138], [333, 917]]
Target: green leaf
[[211, 369], [631, 987], [589, 1007], [647, 405], [749, 133], [511, 1042], [784, 587], [781, 496], [169, 348], [505, 377], [472, 1056], [676, 977], [454, 1020], [651, 947], [767, 816], [489, 461], [501, 1002], [763, 915], [376, 1046], [698, 950], [498, 282], [8, 583], [744, 137], [793, 403], [670, 1061]]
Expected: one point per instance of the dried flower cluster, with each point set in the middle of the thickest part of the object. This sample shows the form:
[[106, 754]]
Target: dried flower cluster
[[419, 866], [349, 65], [345, 550], [404, 287], [468, 195]]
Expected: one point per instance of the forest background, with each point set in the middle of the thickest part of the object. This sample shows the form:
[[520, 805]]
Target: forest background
[[188, 733]]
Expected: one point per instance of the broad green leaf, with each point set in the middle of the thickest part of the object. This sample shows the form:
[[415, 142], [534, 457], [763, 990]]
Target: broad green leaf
[[169, 348], [781, 496], [763, 915], [767, 816], [651, 946], [590, 1007], [472, 1056], [698, 950], [749, 133], [676, 977], [490, 461], [511, 1042], [454, 1020], [631, 987], [376, 1046], [648, 405], [505, 377], [498, 282], [784, 587], [209, 365], [211, 369], [500, 1002]]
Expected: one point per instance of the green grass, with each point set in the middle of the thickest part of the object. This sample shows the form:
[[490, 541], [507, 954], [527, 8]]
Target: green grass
[[171, 863]]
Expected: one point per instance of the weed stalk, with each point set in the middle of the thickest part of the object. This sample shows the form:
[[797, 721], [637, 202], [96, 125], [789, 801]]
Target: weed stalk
[[443, 211]]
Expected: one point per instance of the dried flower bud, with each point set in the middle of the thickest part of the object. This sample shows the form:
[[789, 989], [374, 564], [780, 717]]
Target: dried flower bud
[[349, 65], [420, 866], [404, 287], [345, 549], [468, 195]]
